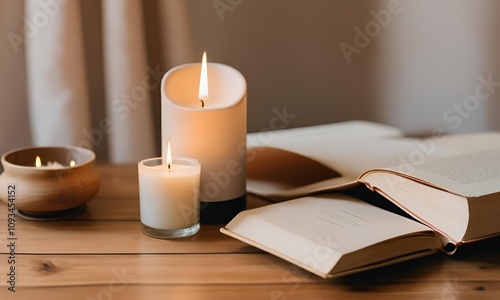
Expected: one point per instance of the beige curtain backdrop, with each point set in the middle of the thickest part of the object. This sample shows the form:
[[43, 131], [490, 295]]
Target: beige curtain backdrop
[[50, 100], [58, 101], [128, 104]]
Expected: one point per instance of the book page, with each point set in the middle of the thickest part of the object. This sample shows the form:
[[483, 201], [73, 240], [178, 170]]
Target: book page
[[333, 145], [445, 212], [470, 143], [317, 231], [359, 129], [469, 175], [348, 149]]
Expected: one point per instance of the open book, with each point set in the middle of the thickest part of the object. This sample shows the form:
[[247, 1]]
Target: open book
[[450, 184]]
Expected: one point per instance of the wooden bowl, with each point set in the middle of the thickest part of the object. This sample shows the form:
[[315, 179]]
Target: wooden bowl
[[48, 191]]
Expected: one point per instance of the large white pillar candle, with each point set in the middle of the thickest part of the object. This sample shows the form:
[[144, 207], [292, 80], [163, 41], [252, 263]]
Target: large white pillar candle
[[213, 131], [169, 197]]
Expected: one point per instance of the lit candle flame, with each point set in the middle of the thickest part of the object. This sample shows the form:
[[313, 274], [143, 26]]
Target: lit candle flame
[[203, 90], [169, 155], [38, 162], [72, 163]]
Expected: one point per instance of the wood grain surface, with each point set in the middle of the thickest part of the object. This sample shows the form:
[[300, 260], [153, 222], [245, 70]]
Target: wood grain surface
[[102, 254]]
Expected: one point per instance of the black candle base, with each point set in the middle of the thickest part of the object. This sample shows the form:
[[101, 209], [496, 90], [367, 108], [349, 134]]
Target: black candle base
[[221, 212]]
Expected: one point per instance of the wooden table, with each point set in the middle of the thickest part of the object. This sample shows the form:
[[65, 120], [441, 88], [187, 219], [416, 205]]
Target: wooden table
[[102, 254]]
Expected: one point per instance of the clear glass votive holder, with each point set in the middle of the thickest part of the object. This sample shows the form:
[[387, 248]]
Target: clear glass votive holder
[[169, 197]]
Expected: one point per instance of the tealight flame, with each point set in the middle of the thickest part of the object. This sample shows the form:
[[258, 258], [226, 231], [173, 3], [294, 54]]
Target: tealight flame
[[72, 163], [38, 162], [169, 155], [203, 90]]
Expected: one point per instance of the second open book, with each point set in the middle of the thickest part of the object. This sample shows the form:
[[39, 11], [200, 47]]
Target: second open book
[[450, 184]]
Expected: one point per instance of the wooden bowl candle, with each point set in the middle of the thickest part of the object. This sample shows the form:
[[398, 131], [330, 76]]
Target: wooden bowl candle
[[48, 182]]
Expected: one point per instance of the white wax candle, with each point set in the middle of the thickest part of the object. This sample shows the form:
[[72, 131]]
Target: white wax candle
[[214, 134], [54, 164], [169, 198], [51, 164]]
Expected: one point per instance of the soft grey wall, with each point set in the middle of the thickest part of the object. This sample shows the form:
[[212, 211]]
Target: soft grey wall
[[426, 57], [431, 63]]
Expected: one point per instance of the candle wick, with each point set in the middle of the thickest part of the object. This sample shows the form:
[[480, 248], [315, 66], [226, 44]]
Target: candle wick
[[202, 103], [168, 166]]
